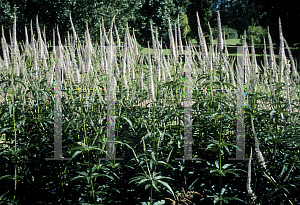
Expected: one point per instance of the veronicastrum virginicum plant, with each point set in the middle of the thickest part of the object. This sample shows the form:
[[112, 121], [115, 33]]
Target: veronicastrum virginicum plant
[[149, 121]]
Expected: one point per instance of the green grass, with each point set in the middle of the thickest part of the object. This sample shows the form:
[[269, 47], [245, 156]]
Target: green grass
[[229, 41]]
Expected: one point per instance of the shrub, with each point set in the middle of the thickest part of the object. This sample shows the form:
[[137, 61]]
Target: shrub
[[185, 26], [230, 33], [257, 32]]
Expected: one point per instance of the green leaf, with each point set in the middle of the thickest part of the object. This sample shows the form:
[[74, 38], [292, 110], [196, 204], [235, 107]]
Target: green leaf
[[129, 122], [154, 185], [226, 166], [102, 175], [161, 202], [272, 113], [10, 109], [75, 154], [153, 156], [217, 164], [166, 185], [142, 181]]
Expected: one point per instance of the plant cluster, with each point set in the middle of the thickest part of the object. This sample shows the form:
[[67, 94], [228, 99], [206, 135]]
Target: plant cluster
[[136, 128]]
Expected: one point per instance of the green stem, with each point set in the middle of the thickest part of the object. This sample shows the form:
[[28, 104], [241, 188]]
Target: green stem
[[39, 142], [15, 133], [274, 183], [151, 194], [220, 157], [153, 131], [91, 179], [184, 174]]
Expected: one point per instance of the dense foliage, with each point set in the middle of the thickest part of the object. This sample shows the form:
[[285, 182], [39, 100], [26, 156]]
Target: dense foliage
[[240, 14], [151, 123], [236, 14], [257, 33]]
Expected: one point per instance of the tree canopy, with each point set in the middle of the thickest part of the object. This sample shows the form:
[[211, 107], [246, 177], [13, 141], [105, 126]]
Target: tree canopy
[[240, 14], [203, 7], [237, 14]]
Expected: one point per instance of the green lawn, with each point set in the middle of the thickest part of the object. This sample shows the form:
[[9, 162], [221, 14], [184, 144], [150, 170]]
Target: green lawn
[[229, 42]]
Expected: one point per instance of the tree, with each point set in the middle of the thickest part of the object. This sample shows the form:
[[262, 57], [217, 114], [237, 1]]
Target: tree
[[237, 14], [271, 10], [203, 7], [50, 13], [56, 13], [158, 11], [137, 13], [240, 14]]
